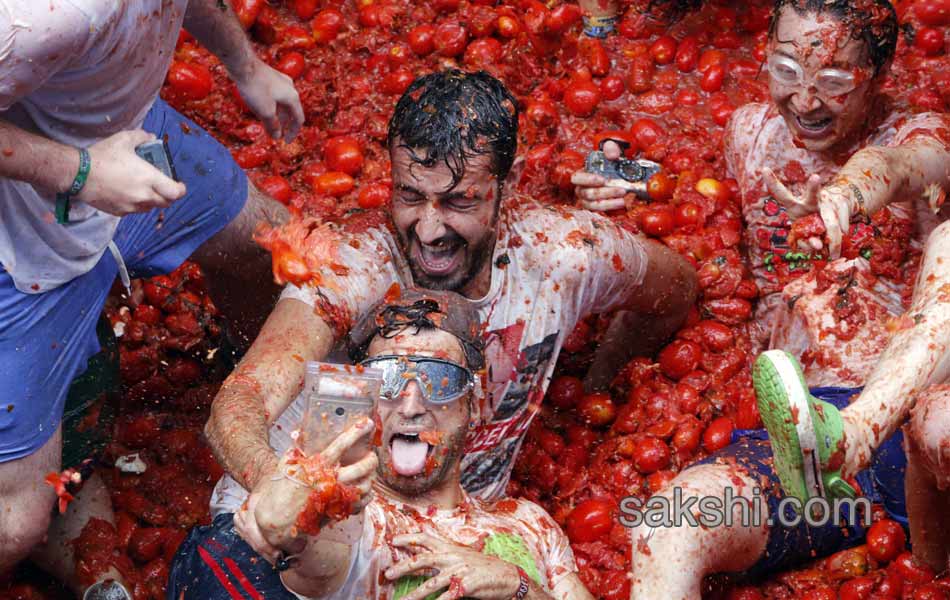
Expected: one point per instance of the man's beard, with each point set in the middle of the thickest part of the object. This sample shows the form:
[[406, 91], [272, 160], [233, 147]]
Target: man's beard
[[419, 484], [480, 254]]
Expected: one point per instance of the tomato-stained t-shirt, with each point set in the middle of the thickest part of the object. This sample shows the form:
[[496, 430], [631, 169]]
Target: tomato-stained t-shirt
[[551, 266], [515, 530]]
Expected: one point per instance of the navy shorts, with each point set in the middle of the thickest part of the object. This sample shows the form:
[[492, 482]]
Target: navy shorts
[[47, 339], [882, 483], [214, 563]]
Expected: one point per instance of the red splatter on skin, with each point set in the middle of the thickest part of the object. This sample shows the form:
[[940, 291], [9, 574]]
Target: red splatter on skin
[[329, 499]]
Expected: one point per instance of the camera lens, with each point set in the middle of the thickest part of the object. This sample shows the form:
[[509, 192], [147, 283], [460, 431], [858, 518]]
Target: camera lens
[[340, 411], [630, 171]]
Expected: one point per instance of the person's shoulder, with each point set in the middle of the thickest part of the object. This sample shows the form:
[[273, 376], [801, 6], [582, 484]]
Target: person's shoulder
[[549, 227], [750, 115], [903, 126]]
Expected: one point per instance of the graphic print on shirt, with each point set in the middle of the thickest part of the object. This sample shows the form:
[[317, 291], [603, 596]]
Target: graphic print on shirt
[[516, 392]]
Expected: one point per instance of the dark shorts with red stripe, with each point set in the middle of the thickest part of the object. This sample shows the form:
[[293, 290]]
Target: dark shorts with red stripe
[[214, 563]]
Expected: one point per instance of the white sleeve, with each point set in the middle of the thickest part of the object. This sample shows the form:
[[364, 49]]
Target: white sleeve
[[37, 39]]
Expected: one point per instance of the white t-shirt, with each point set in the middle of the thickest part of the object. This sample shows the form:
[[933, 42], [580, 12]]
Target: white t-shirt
[[74, 71], [551, 267]]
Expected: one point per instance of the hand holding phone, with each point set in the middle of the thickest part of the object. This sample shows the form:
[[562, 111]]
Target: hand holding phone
[[156, 154]]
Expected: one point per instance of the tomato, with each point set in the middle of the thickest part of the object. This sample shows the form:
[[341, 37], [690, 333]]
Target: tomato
[[508, 27], [343, 153], [305, 8], [326, 25], [565, 391], [616, 585], [446, 6], [713, 189], [482, 21], [647, 133], [885, 540], [247, 11], [929, 40], [912, 570], [292, 64], [640, 76], [712, 78], [718, 434], [483, 52], [859, 588], [146, 543], [650, 455], [679, 358], [192, 81], [657, 221], [597, 409], [595, 56], [663, 50], [252, 156], [687, 54], [334, 183], [561, 18], [422, 39], [579, 337], [722, 112], [590, 520], [297, 37], [710, 58], [397, 82], [581, 98], [686, 214], [611, 87], [551, 442], [822, 592], [277, 188], [935, 13], [931, 591], [745, 593], [450, 39], [687, 435], [715, 336], [374, 195]]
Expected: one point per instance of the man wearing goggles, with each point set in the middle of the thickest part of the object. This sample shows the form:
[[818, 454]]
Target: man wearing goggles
[[413, 529]]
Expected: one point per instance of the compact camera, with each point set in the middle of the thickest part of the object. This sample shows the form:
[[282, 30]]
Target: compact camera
[[156, 154], [628, 174]]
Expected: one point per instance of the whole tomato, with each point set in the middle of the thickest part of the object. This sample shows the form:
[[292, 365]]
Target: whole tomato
[[660, 188], [595, 56], [713, 189], [374, 195], [657, 222], [560, 18], [551, 442], [597, 409], [482, 21], [305, 9], [640, 76], [686, 214], [679, 358], [859, 588], [483, 52], [397, 82], [647, 132], [687, 54], [422, 39], [508, 26], [292, 64], [611, 87], [590, 520], [718, 434], [822, 592], [247, 11], [715, 336], [651, 454], [579, 337], [581, 97], [450, 39], [192, 81], [931, 591], [886, 540], [297, 37], [710, 58], [334, 183], [935, 13], [277, 188], [343, 153], [913, 570], [326, 25], [712, 78], [663, 50], [929, 40], [565, 391]]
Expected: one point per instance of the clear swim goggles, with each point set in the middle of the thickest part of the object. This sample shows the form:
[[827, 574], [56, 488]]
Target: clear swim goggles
[[829, 82], [440, 381]]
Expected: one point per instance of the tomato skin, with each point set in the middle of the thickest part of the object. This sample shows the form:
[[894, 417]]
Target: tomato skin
[[663, 50], [343, 153], [712, 78], [718, 434], [292, 65], [912, 570], [334, 183], [935, 13], [192, 81], [326, 25], [611, 87], [657, 221], [687, 54], [374, 195], [422, 39], [565, 391], [589, 521], [450, 39], [508, 27], [252, 156], [886, 540], [650, 455], [581, 98], [679, 357], [640, 76], [715, 336], [277, 188], [247, 11], [710, 58], [660, 188], [483, 52], [929, 40], [687, 435], [688, 214], [597, 409]]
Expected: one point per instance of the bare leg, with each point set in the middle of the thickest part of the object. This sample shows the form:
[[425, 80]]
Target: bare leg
[[916, 357], [928, 477], [26, 501], [239, 271], [57, 556], [669, 563]]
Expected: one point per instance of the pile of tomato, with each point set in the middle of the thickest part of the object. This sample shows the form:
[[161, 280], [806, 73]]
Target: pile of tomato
[[666, 82]]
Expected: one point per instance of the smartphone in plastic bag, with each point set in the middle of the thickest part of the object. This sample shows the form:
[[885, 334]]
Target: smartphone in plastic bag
[[336, 397]]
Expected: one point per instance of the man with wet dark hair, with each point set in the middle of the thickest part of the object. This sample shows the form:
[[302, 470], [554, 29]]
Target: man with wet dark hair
[[530, 271]]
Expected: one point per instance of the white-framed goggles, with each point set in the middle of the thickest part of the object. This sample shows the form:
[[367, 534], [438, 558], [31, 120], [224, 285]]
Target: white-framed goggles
[[441, 382], [828, 82]]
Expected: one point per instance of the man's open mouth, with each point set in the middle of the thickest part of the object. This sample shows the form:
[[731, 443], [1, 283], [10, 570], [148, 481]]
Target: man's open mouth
[[439, 260], [409, 453], [813, 127]]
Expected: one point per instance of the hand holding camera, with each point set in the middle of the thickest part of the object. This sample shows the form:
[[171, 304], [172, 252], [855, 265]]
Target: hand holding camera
[[607, 177]]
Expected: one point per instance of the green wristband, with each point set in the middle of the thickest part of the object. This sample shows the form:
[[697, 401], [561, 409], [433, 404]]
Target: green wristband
[[63, 200]]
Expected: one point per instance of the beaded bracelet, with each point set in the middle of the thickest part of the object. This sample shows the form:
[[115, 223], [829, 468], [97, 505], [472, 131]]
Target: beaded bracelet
[[63, 200]]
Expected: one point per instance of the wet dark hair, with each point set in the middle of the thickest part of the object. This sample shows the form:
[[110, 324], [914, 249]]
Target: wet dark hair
[[453, 116], [873, 21]]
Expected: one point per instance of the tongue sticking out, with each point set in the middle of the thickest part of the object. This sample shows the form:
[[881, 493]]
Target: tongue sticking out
[[409, 458]]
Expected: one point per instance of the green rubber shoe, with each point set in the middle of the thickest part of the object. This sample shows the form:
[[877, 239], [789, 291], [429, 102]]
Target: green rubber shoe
[[805, 432]]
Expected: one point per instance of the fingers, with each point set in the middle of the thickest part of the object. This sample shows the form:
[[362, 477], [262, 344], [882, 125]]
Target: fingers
[[812, 190], [167, 188], [837, 218], [292, 115], [345, 440], [359, 470], [432, 585], [427, 560], [246, 527], [612, 150], [783, 195], [137, 137], [414, 540], [604, 205], [583, 178]]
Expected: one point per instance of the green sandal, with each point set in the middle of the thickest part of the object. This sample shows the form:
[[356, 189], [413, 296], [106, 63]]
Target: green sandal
[[798, 425]]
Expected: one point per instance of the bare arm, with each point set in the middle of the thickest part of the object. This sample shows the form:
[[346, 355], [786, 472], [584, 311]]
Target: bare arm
[[269, 93], [266, 381], [572, 588], [37, 160]]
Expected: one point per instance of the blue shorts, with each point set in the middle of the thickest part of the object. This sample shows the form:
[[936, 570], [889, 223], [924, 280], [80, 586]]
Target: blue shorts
[[882, 483], [214, 563], [46, 339]]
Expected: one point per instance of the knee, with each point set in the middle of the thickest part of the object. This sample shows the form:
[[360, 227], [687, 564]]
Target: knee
[[929, 432], [24, 528]]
